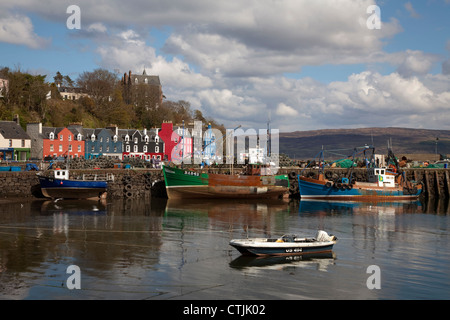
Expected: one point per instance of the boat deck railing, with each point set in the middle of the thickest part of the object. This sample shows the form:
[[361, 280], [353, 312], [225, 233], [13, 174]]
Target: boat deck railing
[[99, 177]]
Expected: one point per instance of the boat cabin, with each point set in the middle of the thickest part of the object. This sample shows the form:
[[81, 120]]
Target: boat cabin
[[381, 176], [62, 174]]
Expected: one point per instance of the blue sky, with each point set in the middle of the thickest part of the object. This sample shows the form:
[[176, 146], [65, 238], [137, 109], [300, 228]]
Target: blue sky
[[309, 64]]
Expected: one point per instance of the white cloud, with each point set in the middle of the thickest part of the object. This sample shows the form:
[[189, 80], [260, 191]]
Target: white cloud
[[416, 63], [269, 38], [286, 111], [97, 27], [128, 51], [18, 29]]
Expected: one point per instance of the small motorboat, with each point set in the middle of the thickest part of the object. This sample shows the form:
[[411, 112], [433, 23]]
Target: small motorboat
[[285, 245]]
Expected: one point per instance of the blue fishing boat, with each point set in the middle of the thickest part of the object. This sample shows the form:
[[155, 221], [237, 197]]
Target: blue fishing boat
[[383, 184], [286, 245], [60, 186]]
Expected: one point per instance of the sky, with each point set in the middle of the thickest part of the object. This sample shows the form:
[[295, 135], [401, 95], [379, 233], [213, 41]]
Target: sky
[[302, 64]]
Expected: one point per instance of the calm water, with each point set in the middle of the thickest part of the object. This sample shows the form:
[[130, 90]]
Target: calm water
[[155, 249]]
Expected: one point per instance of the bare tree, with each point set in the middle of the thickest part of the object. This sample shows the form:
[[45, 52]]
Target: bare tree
[[99, 84]]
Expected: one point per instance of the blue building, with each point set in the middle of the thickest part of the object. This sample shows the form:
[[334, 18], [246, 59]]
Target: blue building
[[209, 146], [103, 142]]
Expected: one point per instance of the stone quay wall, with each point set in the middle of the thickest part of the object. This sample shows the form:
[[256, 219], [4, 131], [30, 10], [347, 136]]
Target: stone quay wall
[[134, 183]]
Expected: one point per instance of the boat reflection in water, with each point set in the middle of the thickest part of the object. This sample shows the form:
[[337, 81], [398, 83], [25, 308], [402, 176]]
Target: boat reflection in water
[[355, 207], [229, 215], [78, 207], [318, 261]]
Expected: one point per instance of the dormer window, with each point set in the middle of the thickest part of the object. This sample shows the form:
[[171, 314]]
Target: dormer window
[[156, 139], [51, 136], [79, 137], [93, 137], [136, 140], [146, 138], [127, 138], [115, 138]]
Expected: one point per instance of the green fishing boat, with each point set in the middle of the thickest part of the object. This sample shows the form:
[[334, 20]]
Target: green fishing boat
[[184, 183]]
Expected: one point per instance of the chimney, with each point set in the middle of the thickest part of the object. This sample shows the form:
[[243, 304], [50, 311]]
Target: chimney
[[16, 119]]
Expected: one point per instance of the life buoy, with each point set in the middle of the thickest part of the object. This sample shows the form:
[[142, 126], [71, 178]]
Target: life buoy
[[328, 184]]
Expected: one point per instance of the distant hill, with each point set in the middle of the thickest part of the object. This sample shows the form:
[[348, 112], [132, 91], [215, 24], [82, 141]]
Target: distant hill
[[307, 144]]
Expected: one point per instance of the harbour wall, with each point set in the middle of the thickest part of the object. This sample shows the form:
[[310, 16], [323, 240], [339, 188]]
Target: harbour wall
[[135, 183]]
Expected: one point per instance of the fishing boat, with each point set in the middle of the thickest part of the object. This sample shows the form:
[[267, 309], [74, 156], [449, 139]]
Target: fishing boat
[[60, 186], [285, 245], [382, 184], [251, 184]]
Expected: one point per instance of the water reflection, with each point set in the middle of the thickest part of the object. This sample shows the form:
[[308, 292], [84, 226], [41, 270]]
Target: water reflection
[[230, 215], [432, 206], [318, 261], [160, 249]]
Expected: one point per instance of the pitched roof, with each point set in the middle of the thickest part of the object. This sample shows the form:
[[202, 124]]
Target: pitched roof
[[151, 80], [11, 130]]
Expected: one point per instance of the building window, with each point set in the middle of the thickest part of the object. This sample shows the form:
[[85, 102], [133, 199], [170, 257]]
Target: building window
[[79, 137], [79, 148], [60, 148], [51, 136], [127, 148], [136, 140], [23, 143], [135, 148], [145, 149], [156, 149], [70, 148], [51, 148], [115, 138], [69, 137], [61, 137]]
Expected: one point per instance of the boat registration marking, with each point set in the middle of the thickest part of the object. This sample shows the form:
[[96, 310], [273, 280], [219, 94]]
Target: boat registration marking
[[192, 173], [290, 250]]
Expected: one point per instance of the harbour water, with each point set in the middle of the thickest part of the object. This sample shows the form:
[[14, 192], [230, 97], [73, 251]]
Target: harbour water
[[156, 249]]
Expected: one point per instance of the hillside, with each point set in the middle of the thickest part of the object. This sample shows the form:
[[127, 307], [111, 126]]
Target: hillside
[[307, 144]]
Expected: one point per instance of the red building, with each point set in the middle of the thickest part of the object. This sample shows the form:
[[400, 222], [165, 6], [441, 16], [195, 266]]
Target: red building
[[62, 142], [176, 144]]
